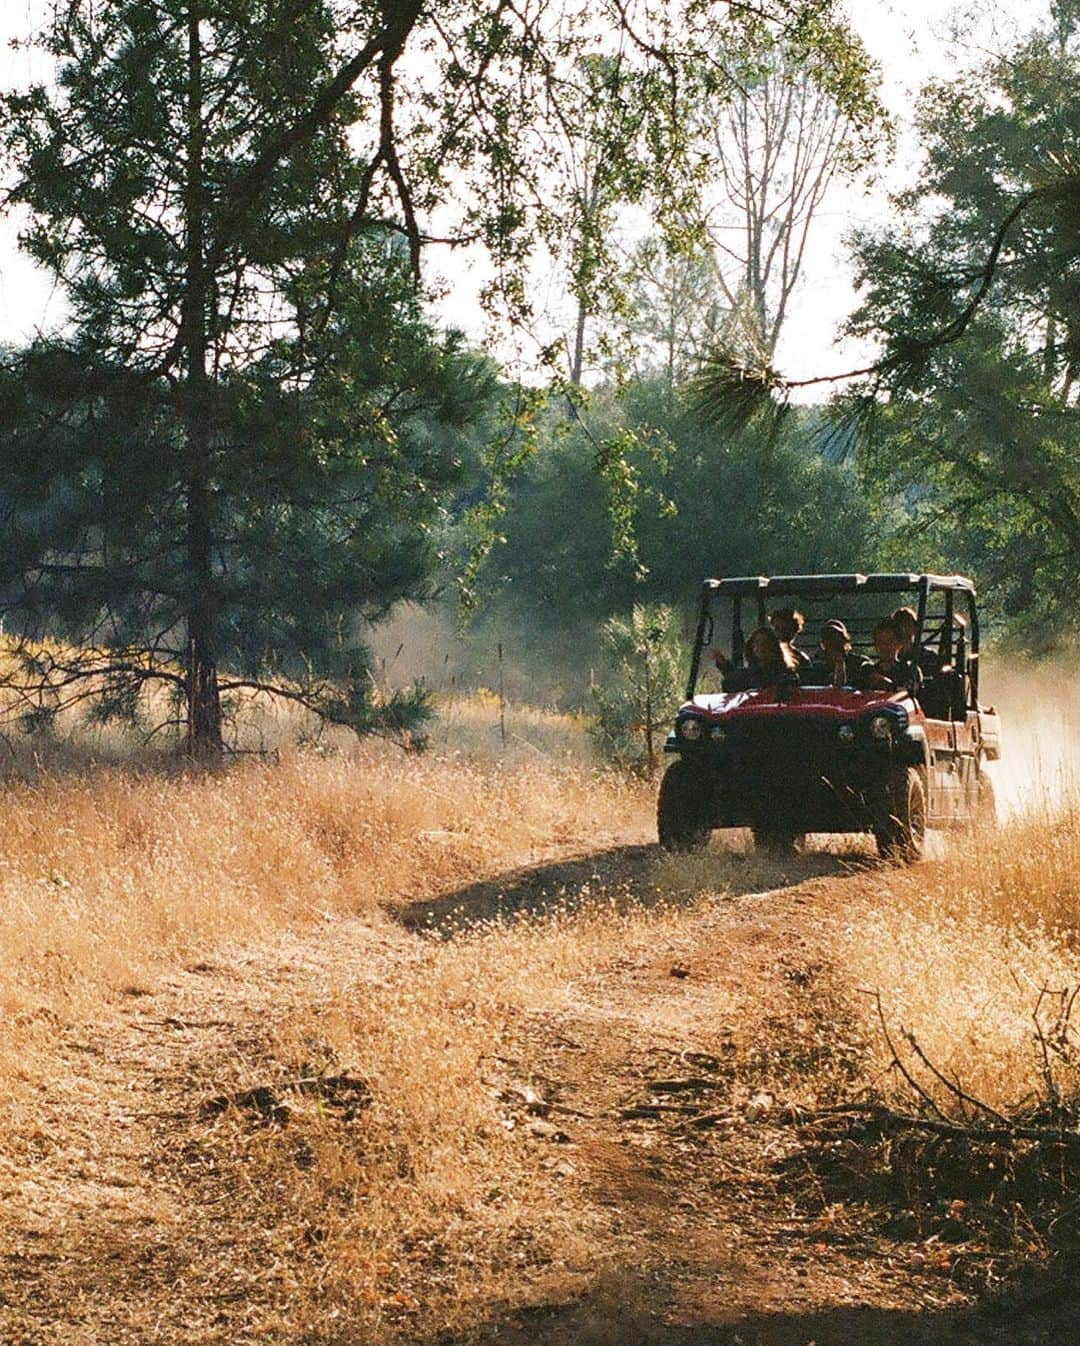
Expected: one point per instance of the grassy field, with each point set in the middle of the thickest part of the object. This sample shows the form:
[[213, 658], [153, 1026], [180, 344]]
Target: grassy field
[[440, 1202], [113, 872], [369, 918]]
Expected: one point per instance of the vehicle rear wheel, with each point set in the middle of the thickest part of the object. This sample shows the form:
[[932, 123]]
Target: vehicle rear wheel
[[682, 810], [900, 830]]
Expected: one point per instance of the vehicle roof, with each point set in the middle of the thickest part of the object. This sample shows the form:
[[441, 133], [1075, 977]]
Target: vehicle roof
[[774, 585]]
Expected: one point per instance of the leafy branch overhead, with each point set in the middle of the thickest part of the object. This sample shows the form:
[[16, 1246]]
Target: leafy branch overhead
[[971, 293], [731, 393]]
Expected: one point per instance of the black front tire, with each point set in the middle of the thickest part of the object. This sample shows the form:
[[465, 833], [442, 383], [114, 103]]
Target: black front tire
[[900, 827], [682, 811]]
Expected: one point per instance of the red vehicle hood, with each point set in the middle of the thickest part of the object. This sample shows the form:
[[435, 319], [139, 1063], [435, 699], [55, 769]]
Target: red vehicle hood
[[836, 703]]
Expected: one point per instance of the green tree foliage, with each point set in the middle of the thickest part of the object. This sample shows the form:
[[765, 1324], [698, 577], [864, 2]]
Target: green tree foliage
[[325, 500], [214, 183], [644, 665], [976, 295], [763, 135], [607, 168], [701, 505], [969, 414], [675, 307], [218, 463]]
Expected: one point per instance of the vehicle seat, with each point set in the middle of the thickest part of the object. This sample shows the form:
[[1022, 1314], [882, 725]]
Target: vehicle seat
[[941, 694]]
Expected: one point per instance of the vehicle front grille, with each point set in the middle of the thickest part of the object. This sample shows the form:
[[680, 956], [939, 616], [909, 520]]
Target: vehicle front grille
[[785, 745]]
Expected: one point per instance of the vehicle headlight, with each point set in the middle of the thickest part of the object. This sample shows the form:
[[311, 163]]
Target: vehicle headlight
[[690, 730], [718, 733], [881, 727], [846, 733]]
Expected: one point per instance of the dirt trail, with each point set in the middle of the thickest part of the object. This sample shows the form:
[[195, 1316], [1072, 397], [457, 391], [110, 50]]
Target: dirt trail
[[116, 1227]]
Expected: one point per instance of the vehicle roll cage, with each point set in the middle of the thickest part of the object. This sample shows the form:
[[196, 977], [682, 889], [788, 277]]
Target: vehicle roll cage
[[765, 587]]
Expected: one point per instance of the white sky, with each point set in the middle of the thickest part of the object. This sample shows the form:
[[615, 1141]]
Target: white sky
[[908, 38]]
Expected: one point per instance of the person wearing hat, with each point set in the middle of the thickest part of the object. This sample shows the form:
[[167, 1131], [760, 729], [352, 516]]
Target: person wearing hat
[[835, 665]]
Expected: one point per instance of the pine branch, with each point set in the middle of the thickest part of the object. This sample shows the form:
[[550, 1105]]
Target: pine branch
[[730, 392]]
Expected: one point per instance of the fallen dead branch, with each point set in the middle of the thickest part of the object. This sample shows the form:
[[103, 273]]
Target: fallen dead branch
[[704, 1120], [644, 1110], [976, 1120], [693, 1084], [892, 1117]]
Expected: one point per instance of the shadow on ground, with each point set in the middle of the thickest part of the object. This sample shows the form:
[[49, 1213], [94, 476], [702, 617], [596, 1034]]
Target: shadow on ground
[[627, 874], [626, 1311]]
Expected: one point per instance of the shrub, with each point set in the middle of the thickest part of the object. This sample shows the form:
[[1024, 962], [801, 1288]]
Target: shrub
[[645, 660]]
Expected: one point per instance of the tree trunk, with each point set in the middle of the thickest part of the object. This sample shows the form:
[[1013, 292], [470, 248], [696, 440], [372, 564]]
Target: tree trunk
[[203, 697], [650, 754], [577, 363]]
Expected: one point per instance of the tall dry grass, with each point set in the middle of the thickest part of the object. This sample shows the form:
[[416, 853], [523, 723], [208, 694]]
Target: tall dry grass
[[109, 873], [963, 951], [432, 1206], [435, 1203], [439, 1206]]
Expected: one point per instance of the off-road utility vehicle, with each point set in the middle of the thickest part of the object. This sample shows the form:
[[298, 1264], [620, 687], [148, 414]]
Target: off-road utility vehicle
[[798, 757]]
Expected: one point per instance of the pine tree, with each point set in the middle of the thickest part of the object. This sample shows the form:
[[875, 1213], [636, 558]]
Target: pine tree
[[216, 466]]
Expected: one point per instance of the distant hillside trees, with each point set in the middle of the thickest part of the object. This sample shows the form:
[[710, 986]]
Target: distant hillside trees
[[704, 504]]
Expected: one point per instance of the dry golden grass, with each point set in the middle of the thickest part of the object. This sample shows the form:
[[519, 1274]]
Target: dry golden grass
[[430, 1208], [437, 1205], [112, 875], [962, 949], [479, 726], [958, 950], [108, 874], [433, 1206], [434, 1202]]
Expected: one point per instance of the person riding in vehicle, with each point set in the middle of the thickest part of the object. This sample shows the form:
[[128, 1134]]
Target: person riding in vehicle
[[893, 669], [835, 664], [789, 623], [907, 623], [769, 660]]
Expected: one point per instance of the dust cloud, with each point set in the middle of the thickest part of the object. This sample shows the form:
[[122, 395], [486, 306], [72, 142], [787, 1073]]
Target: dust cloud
[[1038, 704], [1040, 733], [536, 663]]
